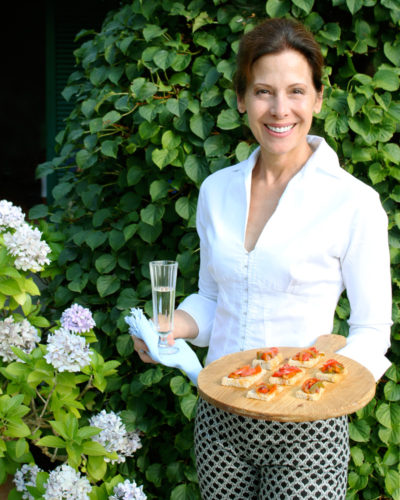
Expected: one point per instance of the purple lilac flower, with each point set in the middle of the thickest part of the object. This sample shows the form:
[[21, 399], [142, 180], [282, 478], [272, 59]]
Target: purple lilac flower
[[77, 319]]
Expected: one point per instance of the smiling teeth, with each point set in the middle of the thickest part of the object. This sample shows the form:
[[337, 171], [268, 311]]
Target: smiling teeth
[[280, 129]]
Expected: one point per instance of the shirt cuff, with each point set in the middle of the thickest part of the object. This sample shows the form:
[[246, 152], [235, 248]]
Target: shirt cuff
[[376, 363], [202, 311]]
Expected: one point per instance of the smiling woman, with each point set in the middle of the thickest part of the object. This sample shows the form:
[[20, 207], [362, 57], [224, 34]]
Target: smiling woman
[[282, 235]]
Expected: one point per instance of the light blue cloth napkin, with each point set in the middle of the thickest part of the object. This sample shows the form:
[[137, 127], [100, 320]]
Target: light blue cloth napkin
[[185, 359]]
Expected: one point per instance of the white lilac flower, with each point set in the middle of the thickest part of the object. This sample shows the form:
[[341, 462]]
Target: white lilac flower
[[66, 483], [114, 436], [10, 216], [66, 351], [18, 334], [77, 319], [26, 476], [128, 491], [29, 251]]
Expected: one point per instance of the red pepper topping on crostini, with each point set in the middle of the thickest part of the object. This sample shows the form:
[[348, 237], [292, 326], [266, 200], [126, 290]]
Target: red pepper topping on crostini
[[307, 354], [266, 388], [267, 355], [332, 366], [286, 371], [312, 385], [245, 371]]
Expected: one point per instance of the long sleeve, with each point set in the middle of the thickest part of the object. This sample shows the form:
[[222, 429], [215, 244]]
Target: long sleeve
[[366, 275], [202, 305]]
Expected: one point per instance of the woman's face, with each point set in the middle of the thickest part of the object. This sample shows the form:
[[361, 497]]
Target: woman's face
[[280, 101]]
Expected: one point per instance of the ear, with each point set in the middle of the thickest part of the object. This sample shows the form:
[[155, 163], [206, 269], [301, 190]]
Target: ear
[[241, 106], [318, 101]]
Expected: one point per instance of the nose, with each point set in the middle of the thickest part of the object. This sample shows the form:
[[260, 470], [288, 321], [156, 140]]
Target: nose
[[280, 106]]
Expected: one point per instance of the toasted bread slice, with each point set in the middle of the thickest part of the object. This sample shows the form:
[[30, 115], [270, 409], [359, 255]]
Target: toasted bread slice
[[243, 381], [331, 375], [286, 375], [307, 358], [253, 394], [304, 392], [271, 364]]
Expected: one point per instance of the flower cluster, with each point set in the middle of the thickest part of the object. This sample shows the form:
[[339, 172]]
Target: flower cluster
[[26, 476], [26, 246], [77, 319], [114, 436], [18, 334], [65, 483], [67, 351], [128, 491], [10, 216]]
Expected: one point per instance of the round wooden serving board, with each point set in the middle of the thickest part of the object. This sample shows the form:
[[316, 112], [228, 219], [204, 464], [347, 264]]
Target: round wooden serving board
[[352, 392]]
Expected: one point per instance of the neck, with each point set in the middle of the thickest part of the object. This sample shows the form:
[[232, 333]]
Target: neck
[[280, 168]]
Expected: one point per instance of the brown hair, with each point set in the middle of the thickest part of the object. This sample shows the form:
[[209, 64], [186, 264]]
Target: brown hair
[[272, 37]]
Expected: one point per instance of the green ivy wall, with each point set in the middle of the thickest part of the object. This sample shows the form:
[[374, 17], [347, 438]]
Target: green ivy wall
[[154, 114]]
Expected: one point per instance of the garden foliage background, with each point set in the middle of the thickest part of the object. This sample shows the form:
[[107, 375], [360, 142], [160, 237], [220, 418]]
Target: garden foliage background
[[154, 114]]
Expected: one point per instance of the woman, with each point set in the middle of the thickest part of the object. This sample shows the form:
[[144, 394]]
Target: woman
[[282, 235]]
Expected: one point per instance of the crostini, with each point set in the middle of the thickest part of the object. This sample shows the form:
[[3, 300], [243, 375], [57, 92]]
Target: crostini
[[307, 358], [244, 376], [331, 371], [311, 389], [286, 375], [268, 359], [264, 391]]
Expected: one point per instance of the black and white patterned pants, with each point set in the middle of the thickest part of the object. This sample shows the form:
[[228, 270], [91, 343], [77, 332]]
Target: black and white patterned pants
[[241, 458]]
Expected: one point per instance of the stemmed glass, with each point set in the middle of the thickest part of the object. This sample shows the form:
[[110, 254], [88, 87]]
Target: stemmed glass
[[163, 284]]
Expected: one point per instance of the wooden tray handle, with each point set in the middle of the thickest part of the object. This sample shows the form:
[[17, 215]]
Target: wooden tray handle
[[330, 342]]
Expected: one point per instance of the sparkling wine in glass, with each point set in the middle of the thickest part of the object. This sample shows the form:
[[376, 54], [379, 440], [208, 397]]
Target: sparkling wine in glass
[[163, 284]]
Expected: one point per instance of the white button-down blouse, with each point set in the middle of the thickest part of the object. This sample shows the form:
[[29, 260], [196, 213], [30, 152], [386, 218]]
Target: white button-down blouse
[[327, 234]]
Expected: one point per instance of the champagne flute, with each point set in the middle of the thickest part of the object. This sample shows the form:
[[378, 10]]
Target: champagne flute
[[163, 284]]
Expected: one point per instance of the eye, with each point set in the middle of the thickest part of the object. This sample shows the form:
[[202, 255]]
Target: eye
[[298, 91], [262, 92]]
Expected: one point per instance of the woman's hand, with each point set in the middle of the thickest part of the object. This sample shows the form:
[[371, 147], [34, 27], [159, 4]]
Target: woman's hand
[[184, 327]]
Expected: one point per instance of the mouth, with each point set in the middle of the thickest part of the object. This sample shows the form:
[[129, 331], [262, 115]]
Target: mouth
[[280, 130]]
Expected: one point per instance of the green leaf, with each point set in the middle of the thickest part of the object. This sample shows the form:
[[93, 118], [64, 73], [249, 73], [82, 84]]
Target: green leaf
[[359, 431], [159, 189], [386, 79], [124, 345], [177, 106], [228, 119], [51, 442], [357, 455], [180, 386], [196, 168], [354, 5], [152, 31], [186, 207], [170, 140], [152, 214], [164, 157], [216, 145], [110, 147], [151, 376], [188, 406], [97, 469], [163, 59], [392, 52], [142, 89], [392, 481], [93, 448], [107, 285], [94, 239], [149, 233], [154, 473], [111, 117], [392, 391], [305, 5], [105, 263], [38, 211], [277, 8], [201, 124], [388, 415]]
